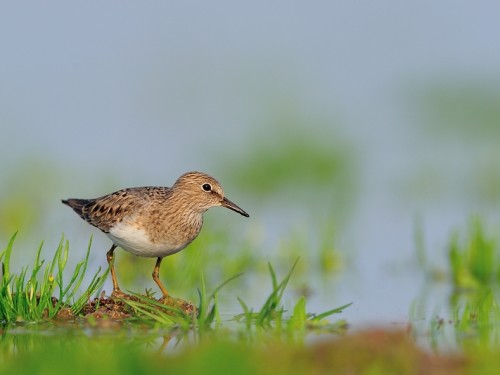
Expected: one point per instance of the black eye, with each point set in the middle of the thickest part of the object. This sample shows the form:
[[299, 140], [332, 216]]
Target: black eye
[[207, 187]]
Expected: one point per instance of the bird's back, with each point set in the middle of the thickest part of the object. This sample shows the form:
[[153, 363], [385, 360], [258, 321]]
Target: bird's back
[[106, 211]]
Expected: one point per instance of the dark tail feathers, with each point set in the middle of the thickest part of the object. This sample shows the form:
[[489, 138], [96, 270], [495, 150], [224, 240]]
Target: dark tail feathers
[[76, 204]]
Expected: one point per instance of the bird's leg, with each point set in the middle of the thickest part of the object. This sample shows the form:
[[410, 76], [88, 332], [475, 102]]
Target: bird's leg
[[110, 256], [156, 278]]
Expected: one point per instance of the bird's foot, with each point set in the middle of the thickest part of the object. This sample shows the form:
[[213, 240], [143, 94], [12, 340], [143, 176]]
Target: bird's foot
[[167, 299], [185, 306]]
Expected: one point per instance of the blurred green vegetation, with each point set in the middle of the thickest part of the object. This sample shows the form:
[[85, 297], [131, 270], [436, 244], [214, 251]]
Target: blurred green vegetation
[[460, 108], [476, 317], [31, 190], [461, 123], [470, 322], [132, 352], [471, 318], [475, 257], [299, 162], [485, 183], [26, 188]]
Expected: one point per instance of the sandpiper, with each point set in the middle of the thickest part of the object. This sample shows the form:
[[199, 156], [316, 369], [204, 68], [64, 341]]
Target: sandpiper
[[153, 221]]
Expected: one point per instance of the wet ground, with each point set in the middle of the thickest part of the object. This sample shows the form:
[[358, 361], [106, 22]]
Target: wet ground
[[109, 307]]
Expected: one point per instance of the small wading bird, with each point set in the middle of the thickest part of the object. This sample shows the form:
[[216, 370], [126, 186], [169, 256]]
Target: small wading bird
[[153, 221]]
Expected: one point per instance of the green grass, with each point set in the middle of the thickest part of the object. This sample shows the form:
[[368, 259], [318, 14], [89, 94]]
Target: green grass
[[477, 322], [133, 346], [472, 315], [473, 256], [240, 253], [151, 311], [475, 259], [273, 314], [41, 293], [257, 341], [472, 322]]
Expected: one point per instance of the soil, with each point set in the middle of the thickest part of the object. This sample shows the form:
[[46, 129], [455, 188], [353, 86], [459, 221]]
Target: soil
[[109, 307]]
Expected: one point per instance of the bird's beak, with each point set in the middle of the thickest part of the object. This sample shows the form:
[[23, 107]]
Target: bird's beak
[[228, 204]]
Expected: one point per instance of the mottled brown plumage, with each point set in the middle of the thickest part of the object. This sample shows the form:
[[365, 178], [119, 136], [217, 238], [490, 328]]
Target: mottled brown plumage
[[153, 221]]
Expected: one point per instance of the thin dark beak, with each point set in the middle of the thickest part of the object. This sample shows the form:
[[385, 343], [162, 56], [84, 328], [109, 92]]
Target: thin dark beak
[[228, 204]]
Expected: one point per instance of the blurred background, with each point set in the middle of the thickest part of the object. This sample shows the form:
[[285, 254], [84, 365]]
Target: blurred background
[[339, 126]]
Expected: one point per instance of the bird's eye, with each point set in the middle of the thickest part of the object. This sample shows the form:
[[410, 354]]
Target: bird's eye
[[206, 187]]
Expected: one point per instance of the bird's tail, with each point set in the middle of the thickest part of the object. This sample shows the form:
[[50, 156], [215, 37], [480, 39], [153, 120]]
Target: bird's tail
[[76, 204]]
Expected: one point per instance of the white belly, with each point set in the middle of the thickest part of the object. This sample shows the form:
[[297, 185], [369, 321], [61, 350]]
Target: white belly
[[136, 241]]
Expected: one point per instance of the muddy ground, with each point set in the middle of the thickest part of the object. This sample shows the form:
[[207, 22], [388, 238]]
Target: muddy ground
[[108, 307]]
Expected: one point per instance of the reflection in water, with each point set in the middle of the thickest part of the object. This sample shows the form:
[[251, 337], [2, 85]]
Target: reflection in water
[[444, 318]]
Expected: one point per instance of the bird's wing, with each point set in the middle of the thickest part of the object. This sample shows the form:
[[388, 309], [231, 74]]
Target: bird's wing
[[106, 211]]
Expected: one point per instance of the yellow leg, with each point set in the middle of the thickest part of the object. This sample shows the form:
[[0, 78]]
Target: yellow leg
[[156, 278], [110, 256]]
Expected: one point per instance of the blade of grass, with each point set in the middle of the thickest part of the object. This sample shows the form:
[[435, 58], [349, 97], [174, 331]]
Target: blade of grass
[[271, 304], [328, 313]]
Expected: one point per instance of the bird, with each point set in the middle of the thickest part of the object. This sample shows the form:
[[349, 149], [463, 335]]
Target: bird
[[153, 221]]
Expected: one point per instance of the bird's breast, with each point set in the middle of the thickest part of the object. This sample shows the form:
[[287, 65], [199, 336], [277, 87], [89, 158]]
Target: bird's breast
[[155, 238]]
